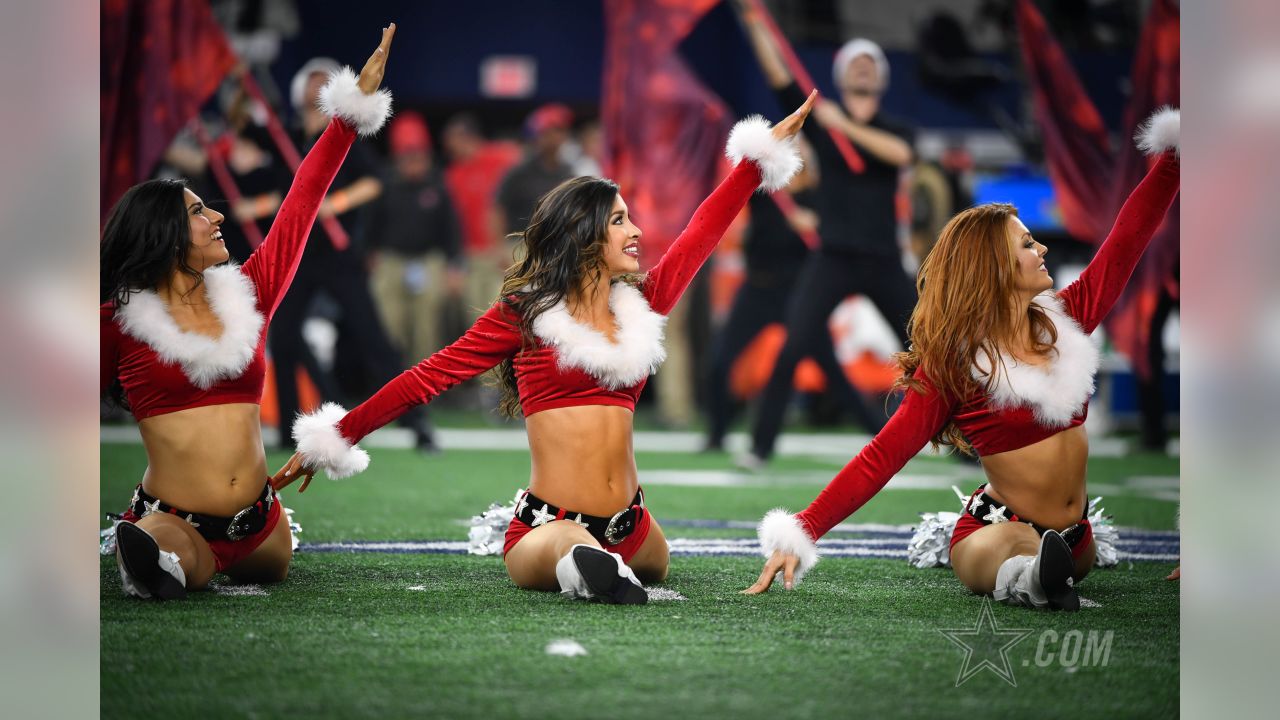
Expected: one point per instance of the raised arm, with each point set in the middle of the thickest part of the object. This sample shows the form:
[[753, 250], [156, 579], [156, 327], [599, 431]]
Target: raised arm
[[1095, 292], [356, 106], [327, 437], [790, 541], [774, 159]]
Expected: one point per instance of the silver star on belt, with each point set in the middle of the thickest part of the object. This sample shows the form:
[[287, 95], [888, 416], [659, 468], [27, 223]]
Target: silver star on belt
[[151, 507], [192, 521], [996, 515], [579, 521], [524, 503], [542, 517]]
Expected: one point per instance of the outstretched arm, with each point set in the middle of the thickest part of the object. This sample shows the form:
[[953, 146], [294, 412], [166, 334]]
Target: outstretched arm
[[356, 106], [790, 541], [1092, 296], [327, 437], [774, 160]]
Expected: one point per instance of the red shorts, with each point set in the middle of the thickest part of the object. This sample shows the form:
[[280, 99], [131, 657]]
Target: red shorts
[[628, 548], [968, 524], [226, 553]]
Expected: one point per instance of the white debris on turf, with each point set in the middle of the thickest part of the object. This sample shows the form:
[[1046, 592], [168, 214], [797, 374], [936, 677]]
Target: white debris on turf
[[1105, 535], [489, 528], [663, 594], [567, 648], [930, 546], [238, 590]]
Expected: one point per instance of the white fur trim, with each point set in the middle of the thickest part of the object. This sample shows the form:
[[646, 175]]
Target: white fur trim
[[780, 530], [1160, 132], [342, 97], [204, 360], [637, 353], [779, 160], [323, 447], [1057, 390]]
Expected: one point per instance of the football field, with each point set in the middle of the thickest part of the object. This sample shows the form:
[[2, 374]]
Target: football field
[[385, 615]]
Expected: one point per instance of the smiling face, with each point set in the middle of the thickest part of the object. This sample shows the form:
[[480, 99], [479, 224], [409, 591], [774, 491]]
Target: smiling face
[[206, 247], [1032, 277], [622, 241]]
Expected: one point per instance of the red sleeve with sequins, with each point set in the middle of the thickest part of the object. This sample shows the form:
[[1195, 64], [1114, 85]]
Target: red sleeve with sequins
[[493, 338], [918, 420], [667, 281], [271, 267], [1092, 296]]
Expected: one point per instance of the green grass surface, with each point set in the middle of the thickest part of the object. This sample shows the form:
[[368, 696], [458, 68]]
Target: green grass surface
[[345, 636]]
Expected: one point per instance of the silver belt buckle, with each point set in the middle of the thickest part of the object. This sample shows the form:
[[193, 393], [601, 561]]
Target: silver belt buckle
[[611, 530], [232, 535]]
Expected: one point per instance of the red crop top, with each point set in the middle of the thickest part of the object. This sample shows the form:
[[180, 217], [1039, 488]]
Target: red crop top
[[567, 363], [164, 369], [1030, 403]]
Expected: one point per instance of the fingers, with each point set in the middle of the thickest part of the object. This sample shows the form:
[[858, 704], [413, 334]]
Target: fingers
[[789, 572], [804, 109], [766, 576], [306, 481]]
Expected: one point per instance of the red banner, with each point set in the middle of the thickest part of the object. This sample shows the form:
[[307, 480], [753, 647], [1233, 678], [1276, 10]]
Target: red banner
[[161, 60]]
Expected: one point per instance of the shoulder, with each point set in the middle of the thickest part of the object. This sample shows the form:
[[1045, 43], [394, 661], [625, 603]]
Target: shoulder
[[107, 313]]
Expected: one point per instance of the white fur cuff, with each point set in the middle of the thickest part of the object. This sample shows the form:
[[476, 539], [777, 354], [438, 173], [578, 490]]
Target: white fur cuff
[[323, 447], [342, 97], [780, 530], [1160, 132], [779, 160]]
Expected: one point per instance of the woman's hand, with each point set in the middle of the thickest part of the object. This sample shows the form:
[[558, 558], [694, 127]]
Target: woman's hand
[[784, 562], [291, 471], [791, 124], [371, 73]]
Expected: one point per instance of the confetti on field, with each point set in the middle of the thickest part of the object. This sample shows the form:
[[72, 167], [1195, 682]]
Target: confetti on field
[[567, 648], [239, 590], [1087, 603], [664, 594]]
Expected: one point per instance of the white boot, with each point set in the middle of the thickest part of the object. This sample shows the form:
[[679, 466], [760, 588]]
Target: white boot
[[1043, 580], [588, 572], [146, 571]]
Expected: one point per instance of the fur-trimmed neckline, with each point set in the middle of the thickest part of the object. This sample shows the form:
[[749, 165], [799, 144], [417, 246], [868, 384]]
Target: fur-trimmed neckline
[[204, 360], [1058, 389], [637, 352]]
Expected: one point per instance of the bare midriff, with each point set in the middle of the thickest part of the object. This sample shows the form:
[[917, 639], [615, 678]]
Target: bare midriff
[[582, 458], [1043, 482], [207, 459]]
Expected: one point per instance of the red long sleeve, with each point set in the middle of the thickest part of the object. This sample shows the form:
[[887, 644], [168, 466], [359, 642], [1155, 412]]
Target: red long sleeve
[[1092, 296], [493, 338], [918, 420], [667, 281], [271, 267], [109, 341]]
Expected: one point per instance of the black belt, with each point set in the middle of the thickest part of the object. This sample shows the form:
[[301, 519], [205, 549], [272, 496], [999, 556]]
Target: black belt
[[249, 521], [534, 511], [988, 512]]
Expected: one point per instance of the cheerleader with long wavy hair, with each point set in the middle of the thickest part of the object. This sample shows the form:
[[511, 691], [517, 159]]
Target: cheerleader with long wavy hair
[[1002, 366]]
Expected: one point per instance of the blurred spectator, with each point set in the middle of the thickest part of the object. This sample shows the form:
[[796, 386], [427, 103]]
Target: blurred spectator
[[339, 273], [476, 167], [414, 240], [585, 151], [543, 169]]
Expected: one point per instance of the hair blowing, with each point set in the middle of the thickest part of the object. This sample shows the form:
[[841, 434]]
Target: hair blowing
[[145, 238], [967, 289], [561, 250]]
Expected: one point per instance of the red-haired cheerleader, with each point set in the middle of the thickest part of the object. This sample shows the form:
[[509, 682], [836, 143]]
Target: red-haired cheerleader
[[1002, 365]]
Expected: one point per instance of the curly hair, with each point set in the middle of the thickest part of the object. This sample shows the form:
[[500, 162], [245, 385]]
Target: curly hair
[[965, 285]]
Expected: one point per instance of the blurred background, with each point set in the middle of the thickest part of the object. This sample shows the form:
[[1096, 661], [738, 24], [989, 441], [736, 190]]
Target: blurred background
[[1011, 100]]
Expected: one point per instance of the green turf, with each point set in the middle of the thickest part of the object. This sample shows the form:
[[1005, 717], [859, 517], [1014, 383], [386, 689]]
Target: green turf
[[346, 637]]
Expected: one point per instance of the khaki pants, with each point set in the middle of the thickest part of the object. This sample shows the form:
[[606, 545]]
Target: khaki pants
[[410, 293], [484, 279]]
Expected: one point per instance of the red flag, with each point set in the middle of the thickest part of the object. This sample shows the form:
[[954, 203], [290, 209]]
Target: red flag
[[161, 60], [663, 131], [1089, 179]]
